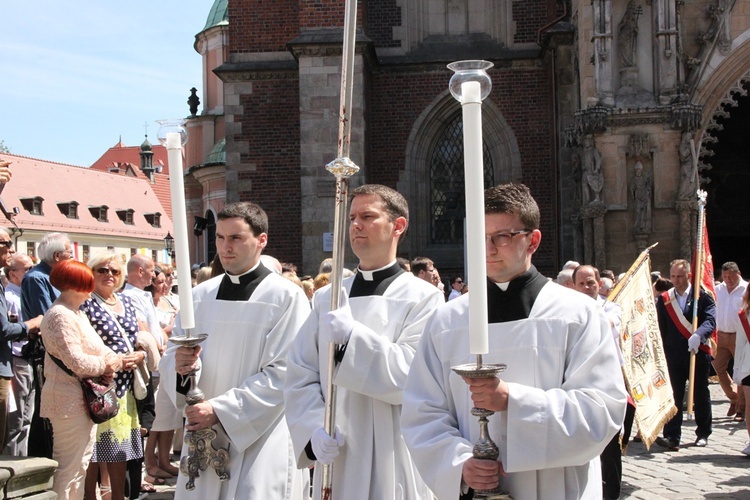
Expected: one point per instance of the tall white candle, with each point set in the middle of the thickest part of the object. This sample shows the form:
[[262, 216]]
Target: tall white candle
[[471, 103], [179, 219]]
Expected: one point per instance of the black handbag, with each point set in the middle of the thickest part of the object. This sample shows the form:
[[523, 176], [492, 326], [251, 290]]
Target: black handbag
[[101, 400]]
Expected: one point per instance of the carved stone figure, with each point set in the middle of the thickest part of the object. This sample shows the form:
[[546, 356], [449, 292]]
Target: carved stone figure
[[627, 40], [640, 192], [688, 172], [593, 178]]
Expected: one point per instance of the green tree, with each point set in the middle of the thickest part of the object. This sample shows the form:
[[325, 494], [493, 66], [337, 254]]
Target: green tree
[[3, 147]]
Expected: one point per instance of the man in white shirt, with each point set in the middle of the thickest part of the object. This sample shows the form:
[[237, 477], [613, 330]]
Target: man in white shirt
[[728, 302], [456, 285]]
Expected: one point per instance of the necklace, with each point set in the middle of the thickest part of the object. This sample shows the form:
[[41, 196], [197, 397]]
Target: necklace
[[109, 303]]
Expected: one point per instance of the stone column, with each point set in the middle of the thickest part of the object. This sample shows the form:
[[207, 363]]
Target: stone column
[[688, 213], [665, 53], [603, 52], [593, 234], [319, 87]]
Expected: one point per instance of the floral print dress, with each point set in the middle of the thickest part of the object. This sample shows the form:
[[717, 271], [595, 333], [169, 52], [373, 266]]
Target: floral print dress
[[118, 439]]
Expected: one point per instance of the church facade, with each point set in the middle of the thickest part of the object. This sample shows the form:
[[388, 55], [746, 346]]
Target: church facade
[[613, 112]]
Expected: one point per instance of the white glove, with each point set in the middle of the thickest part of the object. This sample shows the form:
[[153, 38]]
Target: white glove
[[325, 447], [694, 343], [340, 322]]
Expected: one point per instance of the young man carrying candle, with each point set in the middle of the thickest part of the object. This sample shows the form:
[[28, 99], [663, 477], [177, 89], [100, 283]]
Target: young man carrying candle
[[557, 404], [251, 315], [378, 325]]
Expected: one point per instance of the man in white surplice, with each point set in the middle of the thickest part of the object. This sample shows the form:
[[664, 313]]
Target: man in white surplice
[[378, 328], [251, 316], [558, 403]]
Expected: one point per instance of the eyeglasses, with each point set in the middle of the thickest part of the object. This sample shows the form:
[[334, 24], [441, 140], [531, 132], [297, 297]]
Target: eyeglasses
[[458, 281], [6, 244], [24, 269], [503, 239], [106, 270]]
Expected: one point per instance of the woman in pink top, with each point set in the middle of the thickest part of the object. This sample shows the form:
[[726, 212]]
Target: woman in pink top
[[69, 337]]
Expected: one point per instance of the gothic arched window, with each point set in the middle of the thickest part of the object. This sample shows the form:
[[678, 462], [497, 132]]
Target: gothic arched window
[[447, 200]]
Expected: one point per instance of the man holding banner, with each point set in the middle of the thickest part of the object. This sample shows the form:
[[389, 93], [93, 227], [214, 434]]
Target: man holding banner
[[675, 312]]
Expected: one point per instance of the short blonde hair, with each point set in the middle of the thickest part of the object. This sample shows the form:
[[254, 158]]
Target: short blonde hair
[[103, 258]]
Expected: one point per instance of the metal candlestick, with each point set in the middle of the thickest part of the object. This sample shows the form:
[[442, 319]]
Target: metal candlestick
[[201, 452], [485, 448]]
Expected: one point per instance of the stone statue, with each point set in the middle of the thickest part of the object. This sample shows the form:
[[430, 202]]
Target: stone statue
[[627, 39], [592, 180], [688, 171], [640, 192]]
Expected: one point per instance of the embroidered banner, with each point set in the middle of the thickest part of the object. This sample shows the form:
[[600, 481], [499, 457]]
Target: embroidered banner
[[645, 367]]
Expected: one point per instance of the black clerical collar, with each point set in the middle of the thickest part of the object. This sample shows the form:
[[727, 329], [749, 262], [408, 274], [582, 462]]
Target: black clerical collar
[[375, 282], [379, 274], [241, 287], [517, 300]]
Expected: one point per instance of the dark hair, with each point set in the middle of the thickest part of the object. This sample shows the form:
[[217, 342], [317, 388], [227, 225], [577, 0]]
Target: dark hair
[[72, 275], [730, 266], [419, 264], [513, 199], [596, 272], [662, 285], [151, 288], [404, 263], [395, 203], [251, 213]]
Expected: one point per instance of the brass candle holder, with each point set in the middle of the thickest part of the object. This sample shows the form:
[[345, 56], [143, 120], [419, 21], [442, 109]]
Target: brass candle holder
[[201, 452], [485, 448]]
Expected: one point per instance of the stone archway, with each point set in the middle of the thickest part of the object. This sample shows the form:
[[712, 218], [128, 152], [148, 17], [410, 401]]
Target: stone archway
[[724, 159], [414, 179]]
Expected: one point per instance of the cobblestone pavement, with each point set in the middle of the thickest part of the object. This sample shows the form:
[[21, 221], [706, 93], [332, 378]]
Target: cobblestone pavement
[[717, 471]]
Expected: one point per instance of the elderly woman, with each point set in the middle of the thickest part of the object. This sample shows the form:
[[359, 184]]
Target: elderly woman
[[69, 337], [113, 316]]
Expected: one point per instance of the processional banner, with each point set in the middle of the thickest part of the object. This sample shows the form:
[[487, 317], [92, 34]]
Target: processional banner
[[645, 366]]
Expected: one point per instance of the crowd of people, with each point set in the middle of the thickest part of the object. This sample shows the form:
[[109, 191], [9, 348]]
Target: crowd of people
[[403, 425]]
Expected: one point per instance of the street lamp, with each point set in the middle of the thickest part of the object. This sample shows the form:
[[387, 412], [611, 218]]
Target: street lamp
[[169, 244]]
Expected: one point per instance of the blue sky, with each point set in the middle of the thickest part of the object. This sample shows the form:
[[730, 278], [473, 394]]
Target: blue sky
[[75, 76]]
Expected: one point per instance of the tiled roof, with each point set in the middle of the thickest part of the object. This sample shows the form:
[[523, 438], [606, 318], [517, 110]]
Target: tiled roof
[[126, 160], [57, 185]]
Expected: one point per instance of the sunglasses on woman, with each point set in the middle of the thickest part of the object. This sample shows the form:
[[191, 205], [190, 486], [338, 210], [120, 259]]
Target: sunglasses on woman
[[106, 270]]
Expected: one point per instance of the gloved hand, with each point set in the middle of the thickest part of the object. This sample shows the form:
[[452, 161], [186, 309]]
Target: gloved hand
[[325, 447], [340, 322], [694, 343]]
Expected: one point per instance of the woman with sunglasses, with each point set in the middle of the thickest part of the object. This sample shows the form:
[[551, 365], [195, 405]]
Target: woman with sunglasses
[[114, 318]]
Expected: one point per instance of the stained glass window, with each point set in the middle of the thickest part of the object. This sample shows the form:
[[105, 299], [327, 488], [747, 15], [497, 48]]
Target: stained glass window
[[447, 204]]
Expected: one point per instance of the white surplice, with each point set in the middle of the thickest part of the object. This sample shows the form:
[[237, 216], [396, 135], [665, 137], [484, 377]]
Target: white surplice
[[243, 366], [374, 462], [566, 398]]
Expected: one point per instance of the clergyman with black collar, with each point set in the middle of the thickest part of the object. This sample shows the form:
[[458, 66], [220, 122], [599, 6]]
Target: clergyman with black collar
[[557, 404], [378, 326], [251, 315]]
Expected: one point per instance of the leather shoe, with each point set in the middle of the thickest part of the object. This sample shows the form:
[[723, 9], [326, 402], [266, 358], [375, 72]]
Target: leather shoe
[[669, 443], [732, 409], [701, 442]]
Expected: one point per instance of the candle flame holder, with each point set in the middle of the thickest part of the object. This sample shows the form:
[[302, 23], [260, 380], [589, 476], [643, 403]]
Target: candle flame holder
[[201, 452], [484, 448]]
